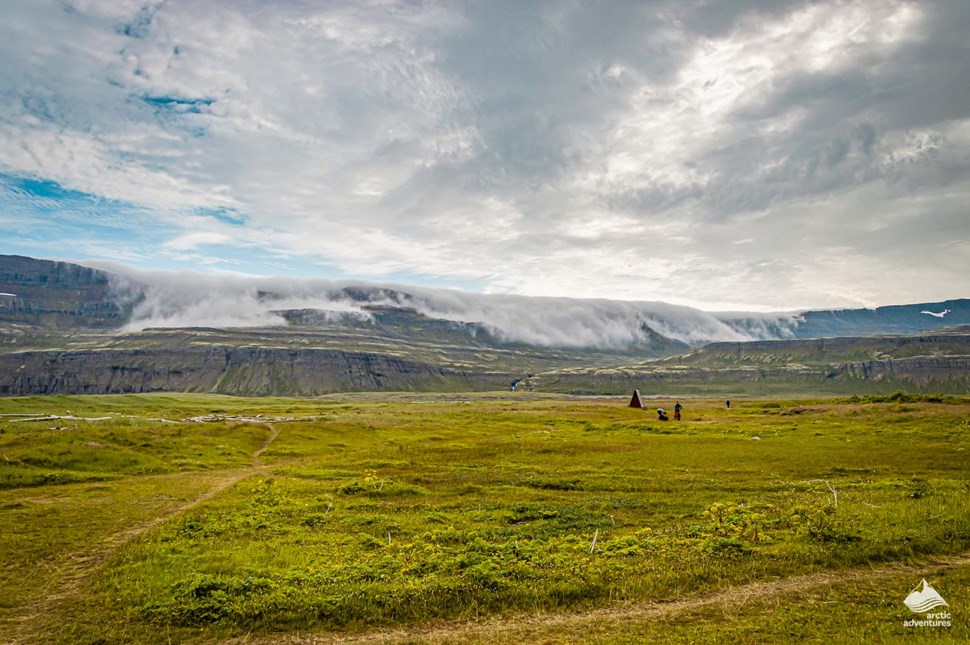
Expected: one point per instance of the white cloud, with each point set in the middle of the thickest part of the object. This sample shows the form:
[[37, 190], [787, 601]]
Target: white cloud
[[730, 157], [194, 240]]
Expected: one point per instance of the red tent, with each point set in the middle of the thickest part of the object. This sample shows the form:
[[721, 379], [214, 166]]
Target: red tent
[[636, 401]]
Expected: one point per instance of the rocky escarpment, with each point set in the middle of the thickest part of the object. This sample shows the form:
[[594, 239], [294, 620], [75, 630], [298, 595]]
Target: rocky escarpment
[[946, 374], [59, 295], [927, 373], [825, 351], [227, 370], [938, 361]]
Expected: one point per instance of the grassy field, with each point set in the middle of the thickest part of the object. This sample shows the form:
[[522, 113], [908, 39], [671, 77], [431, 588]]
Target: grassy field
[[479, 518]]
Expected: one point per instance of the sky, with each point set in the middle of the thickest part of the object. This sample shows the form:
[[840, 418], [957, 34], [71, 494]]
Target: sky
[[743, 155]]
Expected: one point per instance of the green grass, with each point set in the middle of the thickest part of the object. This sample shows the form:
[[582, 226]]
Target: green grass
[[371, 513], [866, 610], [44, 528], [68, 451]]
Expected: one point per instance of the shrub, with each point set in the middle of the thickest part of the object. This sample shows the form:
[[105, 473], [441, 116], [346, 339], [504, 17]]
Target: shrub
[[821, 524]]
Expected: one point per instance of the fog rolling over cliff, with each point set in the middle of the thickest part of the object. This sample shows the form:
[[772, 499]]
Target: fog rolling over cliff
[[70, 329], [113, 295], [189, 300]]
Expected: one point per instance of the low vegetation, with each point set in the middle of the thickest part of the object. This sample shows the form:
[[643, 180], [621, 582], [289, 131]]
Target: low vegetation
[[357, 513]]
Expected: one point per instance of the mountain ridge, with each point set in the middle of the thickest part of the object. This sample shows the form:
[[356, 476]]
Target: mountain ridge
[[71, 331], [62, 295]]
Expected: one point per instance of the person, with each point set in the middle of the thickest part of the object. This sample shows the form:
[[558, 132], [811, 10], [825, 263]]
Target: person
[[662, 415], [677, 408], [728, 402]]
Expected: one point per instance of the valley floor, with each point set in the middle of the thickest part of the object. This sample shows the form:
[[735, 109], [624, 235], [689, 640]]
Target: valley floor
[[479, 518]]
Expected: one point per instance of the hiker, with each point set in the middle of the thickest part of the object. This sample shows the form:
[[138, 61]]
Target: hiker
[[728, 404], [662, 415], [677, 408]]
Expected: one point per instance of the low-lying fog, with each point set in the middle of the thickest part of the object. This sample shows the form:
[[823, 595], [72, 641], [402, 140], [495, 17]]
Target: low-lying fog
[[188, 299]]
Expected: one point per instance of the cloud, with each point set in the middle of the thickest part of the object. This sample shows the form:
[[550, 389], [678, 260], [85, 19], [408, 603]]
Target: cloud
[[189, 299], [194, 240], [542, 148]]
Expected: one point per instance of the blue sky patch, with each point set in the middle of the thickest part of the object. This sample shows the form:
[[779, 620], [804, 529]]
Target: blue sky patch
[[226, 215], [43, 188], [178, 105]]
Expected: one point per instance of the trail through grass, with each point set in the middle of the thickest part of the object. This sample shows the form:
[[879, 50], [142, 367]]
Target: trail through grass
[[73, 571], [406, 516], [718, 617]]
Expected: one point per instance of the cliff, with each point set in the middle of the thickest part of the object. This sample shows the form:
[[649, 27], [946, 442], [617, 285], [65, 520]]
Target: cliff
[[228, 370], [52, 294], [948, 375]]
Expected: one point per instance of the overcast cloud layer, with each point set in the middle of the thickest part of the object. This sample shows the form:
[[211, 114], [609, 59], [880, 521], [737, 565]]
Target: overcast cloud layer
[[730, 155]]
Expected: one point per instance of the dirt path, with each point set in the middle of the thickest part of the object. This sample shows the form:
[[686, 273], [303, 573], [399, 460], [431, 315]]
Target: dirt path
[[506, 629], [257, 463], [77, 569]]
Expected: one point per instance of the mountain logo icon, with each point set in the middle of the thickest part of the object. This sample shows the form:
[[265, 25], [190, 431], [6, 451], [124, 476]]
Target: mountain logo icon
[[922, 600]]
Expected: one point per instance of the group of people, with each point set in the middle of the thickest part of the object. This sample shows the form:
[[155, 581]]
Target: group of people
[[662, 414]]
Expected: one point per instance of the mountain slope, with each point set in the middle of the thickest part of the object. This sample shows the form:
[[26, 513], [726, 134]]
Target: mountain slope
[[228, 370], [59, 295], [936, 362], [297, 362], [68, 329], [895, 319]]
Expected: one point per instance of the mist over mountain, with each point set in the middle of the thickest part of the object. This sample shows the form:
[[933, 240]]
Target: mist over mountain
[[66, 328], [60, 294]]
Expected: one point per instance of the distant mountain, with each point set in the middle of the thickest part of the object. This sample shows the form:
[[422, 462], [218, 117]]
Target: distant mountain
[[894, 319], [309, 362], [950, 341], [60, 295], [932, 362], [65, 328]]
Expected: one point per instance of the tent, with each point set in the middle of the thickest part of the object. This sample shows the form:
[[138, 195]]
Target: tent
[[636, 401]]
